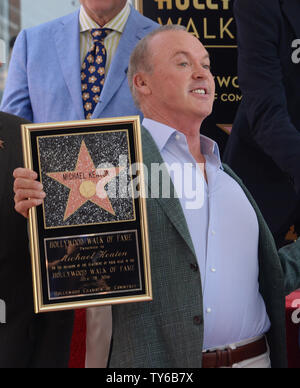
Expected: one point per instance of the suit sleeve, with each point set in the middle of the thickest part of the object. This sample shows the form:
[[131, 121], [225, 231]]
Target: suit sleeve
[[290, 262], [261, 81], [16, 98]]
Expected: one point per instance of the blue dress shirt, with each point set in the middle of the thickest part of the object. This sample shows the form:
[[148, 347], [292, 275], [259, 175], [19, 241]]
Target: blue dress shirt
[[225, 233]]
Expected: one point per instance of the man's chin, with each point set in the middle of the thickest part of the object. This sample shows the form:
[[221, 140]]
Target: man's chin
[[204, 113]]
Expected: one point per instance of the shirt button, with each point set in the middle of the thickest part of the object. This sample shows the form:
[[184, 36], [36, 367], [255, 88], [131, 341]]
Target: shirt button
[[209, 310], [177, 137], [198, 320], [213, 233], [213, 270]]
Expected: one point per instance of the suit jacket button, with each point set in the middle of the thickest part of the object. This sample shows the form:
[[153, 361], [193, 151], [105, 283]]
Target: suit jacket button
[[198, 320]]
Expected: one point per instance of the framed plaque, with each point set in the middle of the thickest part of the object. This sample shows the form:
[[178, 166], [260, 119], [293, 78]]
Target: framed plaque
[[89, 239]]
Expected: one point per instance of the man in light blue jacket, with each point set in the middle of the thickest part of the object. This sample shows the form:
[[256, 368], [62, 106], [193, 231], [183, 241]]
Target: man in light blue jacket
[[44, 83]]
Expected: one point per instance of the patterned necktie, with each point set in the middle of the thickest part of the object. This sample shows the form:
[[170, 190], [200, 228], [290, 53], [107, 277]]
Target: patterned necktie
[[93, 71]]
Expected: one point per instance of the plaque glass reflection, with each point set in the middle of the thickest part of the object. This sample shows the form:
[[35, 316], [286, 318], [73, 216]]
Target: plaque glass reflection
[[89, 239]]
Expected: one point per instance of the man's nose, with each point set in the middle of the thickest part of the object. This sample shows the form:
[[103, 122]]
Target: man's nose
[[199, 72]]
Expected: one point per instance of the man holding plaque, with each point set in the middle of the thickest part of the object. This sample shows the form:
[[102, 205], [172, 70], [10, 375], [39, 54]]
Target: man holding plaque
[[218, 281], [74, 68]]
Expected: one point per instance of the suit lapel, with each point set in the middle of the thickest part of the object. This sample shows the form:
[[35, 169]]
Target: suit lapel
[[291, 9], [171, 206], [68, 49], [134, 31]]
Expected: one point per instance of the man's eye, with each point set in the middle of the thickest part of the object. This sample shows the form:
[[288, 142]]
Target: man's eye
[[207, 67], [184, 64]]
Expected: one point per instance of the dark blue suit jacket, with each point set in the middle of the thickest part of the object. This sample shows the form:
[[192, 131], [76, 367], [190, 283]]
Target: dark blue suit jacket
[[264, 148]]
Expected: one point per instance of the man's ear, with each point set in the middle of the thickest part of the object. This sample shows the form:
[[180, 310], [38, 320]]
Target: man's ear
[[141, 84]]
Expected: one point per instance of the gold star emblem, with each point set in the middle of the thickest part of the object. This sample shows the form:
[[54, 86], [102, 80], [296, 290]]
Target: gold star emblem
[[86, 183]]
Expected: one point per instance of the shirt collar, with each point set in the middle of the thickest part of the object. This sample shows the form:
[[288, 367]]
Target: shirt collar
[[162, 133], [118, 23]]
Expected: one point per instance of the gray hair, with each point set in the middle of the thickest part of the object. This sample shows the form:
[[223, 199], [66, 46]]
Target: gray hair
[[140, 57]]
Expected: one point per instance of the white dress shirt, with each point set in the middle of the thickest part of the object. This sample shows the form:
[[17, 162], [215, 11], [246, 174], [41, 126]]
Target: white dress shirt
[[225, 233]]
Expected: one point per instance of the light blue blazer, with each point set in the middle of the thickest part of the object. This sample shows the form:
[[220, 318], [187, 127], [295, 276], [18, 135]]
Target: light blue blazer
[[44, 84]]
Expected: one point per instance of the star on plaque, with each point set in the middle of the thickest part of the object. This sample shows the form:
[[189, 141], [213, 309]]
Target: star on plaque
[[86, 183]]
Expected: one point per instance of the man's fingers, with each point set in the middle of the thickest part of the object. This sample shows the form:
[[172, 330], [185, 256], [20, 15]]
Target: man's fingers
[[22, 195], [25, 184], [28, 191], [25, 173], [23, 207]]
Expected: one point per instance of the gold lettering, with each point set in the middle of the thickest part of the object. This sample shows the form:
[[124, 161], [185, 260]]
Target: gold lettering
[[161, 4], [69, 274], [125, 237], [224, 29], [227, 82], [77, 257], [206, 36], [223, 81], [225, 4], [191, 25], [125, 287], [197, 5], [110, 239], [95, 240], [127, 268], [112, 255], [182, 5], [98, 271], [230, 97], [210, 5], [56, 244], [235, 82], [169, 22]]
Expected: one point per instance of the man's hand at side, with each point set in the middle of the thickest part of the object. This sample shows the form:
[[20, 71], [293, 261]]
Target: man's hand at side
[[28, 191]]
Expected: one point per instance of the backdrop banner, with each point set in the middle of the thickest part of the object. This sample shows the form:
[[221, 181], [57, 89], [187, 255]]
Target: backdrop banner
[[212, 22]]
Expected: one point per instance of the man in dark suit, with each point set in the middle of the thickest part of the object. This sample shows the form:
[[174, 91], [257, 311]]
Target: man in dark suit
[[264, 148], [26, 340]]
